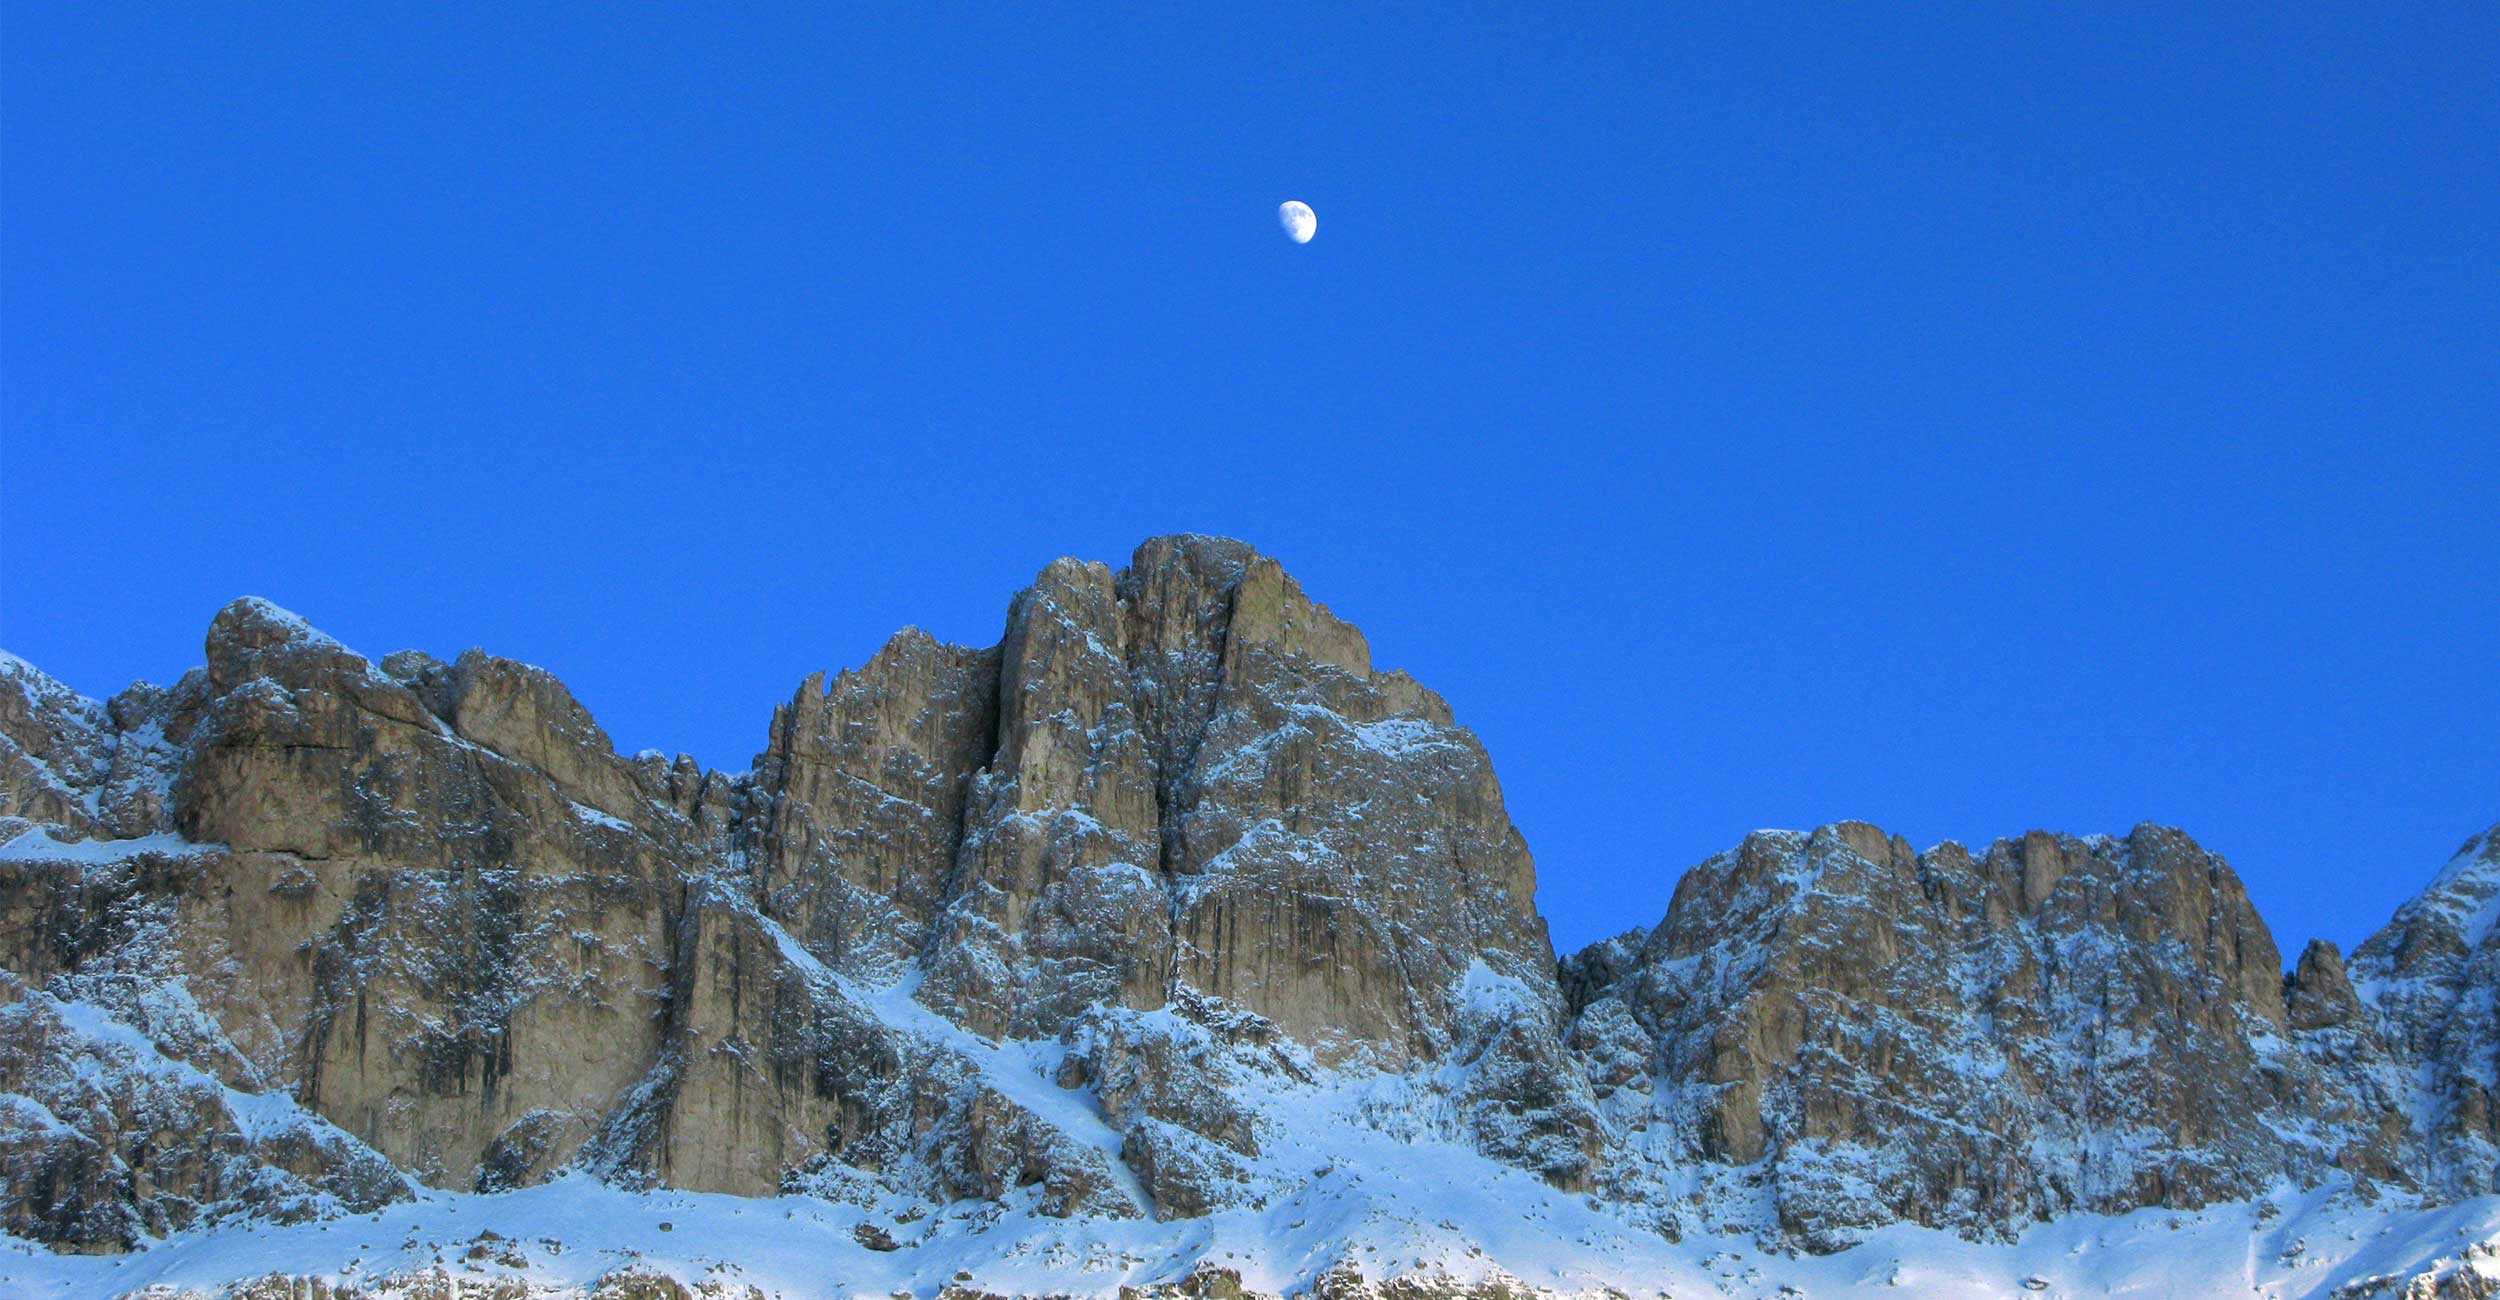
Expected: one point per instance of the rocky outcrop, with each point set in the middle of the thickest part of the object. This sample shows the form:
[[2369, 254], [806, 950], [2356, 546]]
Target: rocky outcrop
[[777, 1071], [1969, 1040], [863, 786], [1179, 781], [459, 897], [430, 905], [1086, 924], [54, 748], [2430, 980], [104, 1142]]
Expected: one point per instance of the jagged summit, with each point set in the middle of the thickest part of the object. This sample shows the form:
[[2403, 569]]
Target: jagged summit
[[2457, 911], [2430, 978], [1167, 906], [2097, 1023]]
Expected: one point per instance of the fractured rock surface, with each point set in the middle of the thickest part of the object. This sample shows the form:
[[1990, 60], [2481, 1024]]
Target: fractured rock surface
[[1079, 922], [1969, 1040]]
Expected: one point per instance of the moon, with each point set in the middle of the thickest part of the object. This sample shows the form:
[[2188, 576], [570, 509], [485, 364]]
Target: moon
[[1299, 221]]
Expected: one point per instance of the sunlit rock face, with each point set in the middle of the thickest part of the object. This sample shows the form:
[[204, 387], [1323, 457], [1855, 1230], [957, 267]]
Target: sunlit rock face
[[430, 905], [1152, 909]]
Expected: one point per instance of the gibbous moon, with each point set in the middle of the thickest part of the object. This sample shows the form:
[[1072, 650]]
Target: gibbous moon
[[1299, 221]]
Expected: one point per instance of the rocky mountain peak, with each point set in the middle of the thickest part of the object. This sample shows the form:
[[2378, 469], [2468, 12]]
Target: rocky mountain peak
[[253, 639], [1167, 904], [2429, 978], [53, 750], [2318, 994], [2433, 934], [2095, 1023]]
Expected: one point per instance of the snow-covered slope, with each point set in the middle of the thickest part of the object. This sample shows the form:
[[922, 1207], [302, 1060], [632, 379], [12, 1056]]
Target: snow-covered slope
[[1355, 1189]]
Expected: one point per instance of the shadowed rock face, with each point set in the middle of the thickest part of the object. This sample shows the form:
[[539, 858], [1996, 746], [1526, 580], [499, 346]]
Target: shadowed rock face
[[1040, 923], [55, 749], [2431, 978], [1981, 1040]]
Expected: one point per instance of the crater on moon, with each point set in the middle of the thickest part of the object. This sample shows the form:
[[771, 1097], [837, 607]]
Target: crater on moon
[[1299, 221]]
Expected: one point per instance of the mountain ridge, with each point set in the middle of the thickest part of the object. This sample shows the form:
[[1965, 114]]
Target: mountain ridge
[[1076, 925]]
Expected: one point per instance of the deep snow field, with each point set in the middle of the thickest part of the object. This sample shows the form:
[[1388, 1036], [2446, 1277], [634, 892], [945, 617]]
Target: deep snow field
[[1454, 1218]]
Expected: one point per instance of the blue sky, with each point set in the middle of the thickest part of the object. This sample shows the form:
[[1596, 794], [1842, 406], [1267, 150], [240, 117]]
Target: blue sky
[[1998, 417]]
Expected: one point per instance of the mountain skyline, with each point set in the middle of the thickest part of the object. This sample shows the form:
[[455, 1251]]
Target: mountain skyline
[[1170, 919], [1778, 650], [1586, 921], [1759, 417]]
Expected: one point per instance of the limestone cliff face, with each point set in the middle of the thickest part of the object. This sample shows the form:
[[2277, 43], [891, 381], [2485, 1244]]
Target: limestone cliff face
[[428, 902], [1196, 779], [1972, 1040], [452, 901], [862, 788], [1080, 923], [1178, 784]]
